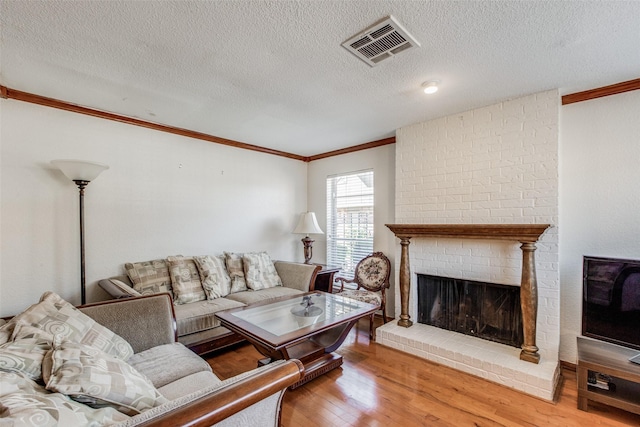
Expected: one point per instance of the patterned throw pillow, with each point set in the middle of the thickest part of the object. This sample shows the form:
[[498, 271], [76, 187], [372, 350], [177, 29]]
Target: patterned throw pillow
[[149, 277], [259, 271], [215, 279], [236, 272], [5, 331], [97, 379], [25, 352], [57, 317], [185, 280], [25, 403]]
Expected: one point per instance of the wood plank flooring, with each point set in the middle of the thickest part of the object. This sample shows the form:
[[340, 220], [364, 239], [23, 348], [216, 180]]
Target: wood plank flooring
[[380, 386]]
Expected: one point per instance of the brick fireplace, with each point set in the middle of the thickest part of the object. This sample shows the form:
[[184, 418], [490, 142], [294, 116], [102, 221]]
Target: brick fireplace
[[496, 166]]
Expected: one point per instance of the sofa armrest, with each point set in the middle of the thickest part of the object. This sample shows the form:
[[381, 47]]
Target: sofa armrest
[[296, 275], [118, 287], [243, 396], [144, 322]]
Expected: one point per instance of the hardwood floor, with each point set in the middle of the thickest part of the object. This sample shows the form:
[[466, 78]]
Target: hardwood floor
[[379, 386]]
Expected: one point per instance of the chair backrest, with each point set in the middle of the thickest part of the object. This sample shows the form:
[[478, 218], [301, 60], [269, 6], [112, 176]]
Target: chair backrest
[[372, 272]]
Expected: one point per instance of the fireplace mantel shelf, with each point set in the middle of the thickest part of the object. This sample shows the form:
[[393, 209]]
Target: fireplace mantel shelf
[[514, 232]]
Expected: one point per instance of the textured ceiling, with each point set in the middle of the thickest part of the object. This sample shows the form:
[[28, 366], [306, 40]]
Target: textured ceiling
[[274, 73]]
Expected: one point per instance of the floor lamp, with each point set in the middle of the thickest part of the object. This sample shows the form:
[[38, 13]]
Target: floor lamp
[[80, 172], [308, 225]]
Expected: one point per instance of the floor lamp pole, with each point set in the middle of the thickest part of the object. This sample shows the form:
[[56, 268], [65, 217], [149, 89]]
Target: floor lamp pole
[[81, 172], [83, 295]]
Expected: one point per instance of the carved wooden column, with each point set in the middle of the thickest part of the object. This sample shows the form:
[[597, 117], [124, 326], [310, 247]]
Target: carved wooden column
[[405, 283], [529, 303]]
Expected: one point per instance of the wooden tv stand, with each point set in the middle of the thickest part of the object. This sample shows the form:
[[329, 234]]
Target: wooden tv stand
[[612, 360]]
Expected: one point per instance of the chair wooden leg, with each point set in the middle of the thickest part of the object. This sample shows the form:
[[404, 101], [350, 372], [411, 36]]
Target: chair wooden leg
[[371, 328], [384, 314]]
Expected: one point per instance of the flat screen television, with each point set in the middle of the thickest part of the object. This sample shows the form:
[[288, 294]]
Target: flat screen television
[[611, 300]]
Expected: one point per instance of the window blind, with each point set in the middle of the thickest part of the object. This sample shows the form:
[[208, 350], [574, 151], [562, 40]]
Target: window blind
[[349, 219]]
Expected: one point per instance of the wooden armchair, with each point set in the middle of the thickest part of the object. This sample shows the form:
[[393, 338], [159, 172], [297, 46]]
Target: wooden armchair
[[372, 280]]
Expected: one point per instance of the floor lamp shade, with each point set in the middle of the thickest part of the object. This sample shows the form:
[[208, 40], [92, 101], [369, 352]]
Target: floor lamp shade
[[308, 224], [81, 172]]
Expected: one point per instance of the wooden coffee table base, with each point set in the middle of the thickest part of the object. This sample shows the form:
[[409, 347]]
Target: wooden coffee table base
[[313, 345], [314, 369], [315, 353]]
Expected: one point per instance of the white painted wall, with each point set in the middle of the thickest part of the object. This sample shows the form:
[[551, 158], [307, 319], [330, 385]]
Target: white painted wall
[[599, 195], [163, 195], [497, 164], [382, 161]]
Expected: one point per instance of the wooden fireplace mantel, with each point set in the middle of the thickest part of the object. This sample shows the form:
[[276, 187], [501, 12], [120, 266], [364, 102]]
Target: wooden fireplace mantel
[[514, 232], [527, 234]]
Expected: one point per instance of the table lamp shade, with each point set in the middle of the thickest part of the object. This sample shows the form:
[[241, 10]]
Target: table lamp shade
[[80, 170], [308, 224]]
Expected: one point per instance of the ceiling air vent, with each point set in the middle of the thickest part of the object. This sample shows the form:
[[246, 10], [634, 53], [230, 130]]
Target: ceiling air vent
[[381, 41]]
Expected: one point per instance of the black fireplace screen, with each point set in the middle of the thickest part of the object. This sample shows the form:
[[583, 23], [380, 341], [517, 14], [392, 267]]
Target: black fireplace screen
[[484, 310]]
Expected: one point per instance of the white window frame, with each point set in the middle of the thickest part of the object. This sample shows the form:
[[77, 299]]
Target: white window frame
[[350, 219]]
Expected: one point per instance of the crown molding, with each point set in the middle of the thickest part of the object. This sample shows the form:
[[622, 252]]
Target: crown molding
[[613, 89], [9, 93], [353, 149]]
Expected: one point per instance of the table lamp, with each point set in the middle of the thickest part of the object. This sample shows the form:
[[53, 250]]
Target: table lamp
[[308, 225]]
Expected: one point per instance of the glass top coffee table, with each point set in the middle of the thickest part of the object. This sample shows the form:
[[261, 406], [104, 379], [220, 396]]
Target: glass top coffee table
[[308, 327]]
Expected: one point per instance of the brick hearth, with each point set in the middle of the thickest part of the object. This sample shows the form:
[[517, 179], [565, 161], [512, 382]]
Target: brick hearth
[[485, 359]]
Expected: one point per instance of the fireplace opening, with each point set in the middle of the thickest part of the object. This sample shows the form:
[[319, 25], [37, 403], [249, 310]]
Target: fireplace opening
[[489, 311]]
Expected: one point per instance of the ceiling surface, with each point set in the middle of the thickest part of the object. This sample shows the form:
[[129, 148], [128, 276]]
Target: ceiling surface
[[274, 73]]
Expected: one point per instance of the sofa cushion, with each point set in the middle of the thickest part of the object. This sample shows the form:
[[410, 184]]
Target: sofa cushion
[[189, 384], [57, 317], [236, 272], [185, 280], [259, 271], [149, 277], [251, 297], [244, 418], [25, 352], [199, 316], [167, 363], [215, 278], [25, 403], [98, 379]]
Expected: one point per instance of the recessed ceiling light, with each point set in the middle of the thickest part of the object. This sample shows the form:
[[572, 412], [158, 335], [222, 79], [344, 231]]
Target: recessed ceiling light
[[430, 86]]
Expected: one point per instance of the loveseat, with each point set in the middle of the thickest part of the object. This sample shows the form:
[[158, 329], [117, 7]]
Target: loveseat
[[118, 363], [204, 285]]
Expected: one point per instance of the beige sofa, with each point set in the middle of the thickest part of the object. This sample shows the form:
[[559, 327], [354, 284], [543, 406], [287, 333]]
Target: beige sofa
[[197, 326], [182, 385]]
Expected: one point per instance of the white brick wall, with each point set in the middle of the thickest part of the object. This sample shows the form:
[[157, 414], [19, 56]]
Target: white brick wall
[[497, 164]]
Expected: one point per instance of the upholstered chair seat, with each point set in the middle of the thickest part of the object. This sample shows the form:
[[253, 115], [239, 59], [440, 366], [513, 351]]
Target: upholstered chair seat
[[363, 295]]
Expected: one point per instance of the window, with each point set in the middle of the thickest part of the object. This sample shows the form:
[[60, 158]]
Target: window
[[349, 219]]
